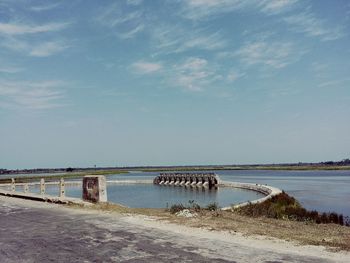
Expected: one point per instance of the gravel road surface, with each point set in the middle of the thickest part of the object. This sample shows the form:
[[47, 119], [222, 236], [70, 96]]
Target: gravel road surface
[[38, 232]]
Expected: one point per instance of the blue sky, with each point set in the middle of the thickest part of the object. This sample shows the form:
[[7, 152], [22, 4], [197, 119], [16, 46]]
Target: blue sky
[[173, 82]]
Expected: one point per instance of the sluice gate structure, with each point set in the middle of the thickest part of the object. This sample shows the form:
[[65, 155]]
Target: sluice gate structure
[[188, 179]]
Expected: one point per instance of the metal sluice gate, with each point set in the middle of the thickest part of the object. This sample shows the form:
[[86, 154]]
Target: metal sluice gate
[[187, 179]]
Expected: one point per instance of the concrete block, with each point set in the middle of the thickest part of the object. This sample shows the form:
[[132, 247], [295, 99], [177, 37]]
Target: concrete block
[[94, 188]]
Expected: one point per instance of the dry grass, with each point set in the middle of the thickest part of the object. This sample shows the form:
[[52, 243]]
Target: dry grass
[[120, 209], [330, 235]]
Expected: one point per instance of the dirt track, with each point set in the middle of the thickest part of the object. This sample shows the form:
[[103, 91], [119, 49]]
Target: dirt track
[[39, 232]]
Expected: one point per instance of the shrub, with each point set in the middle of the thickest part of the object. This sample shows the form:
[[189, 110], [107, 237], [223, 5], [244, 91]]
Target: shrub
[[212, 207], [324, 218], [283, 206], [176, 208], [347, 221], [341, 220], [334, 218], [194, 206]]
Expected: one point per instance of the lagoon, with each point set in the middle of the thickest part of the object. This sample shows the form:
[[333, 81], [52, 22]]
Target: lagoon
[[324, 191]]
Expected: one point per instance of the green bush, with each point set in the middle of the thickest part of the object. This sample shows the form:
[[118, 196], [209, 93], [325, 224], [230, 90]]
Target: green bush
[[212, 206], [283, 206]]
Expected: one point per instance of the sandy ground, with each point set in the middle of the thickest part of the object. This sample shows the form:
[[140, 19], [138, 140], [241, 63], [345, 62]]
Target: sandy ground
[[40, 232]]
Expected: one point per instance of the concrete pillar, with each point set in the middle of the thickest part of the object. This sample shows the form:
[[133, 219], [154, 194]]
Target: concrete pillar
[[94, 188], [62, 188], [26, 188], [13, 185], [42, 186]]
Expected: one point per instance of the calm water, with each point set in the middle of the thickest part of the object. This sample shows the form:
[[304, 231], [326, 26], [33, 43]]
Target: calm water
[[324, 191], [155, 196], [321, 190]]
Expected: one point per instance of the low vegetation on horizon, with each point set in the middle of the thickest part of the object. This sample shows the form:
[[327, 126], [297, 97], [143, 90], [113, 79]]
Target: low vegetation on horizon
[[328, 165]]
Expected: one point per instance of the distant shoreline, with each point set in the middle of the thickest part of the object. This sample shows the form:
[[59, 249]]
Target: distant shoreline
[[106, 170], [55, 173]]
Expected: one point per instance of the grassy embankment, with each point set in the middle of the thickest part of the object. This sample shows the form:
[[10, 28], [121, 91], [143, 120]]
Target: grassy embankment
[[53, 177]]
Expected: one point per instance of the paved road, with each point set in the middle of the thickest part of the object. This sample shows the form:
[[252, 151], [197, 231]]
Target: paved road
[[35, 234]]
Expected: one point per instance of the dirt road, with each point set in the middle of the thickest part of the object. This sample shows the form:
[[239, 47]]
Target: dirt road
[[39, 232]]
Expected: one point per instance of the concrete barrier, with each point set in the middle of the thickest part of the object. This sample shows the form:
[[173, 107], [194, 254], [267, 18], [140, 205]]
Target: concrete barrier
[[268, 191], [42, 196]]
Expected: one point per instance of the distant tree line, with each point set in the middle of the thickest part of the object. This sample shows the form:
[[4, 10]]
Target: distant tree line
[[339, 163], [344, 162]]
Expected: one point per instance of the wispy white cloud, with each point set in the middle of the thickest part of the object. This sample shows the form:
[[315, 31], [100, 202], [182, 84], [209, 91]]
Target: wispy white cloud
[[14, 44], [201, 9], [347, 12], [10, 69], [179, 39], [114, 17], [142, 67], [194, 74], [46, 7], [134, 2], [233, 75], [207, 42], [47, 49], [31, 95], [312, 26], [190, 74], [126, 22], [34, 49], [15, 37], [275, 54], [132, 33], [319, 69], [21, 29], [334, 83], [272, 7]]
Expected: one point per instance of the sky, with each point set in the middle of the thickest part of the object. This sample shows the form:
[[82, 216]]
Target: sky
[[173, 82]]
